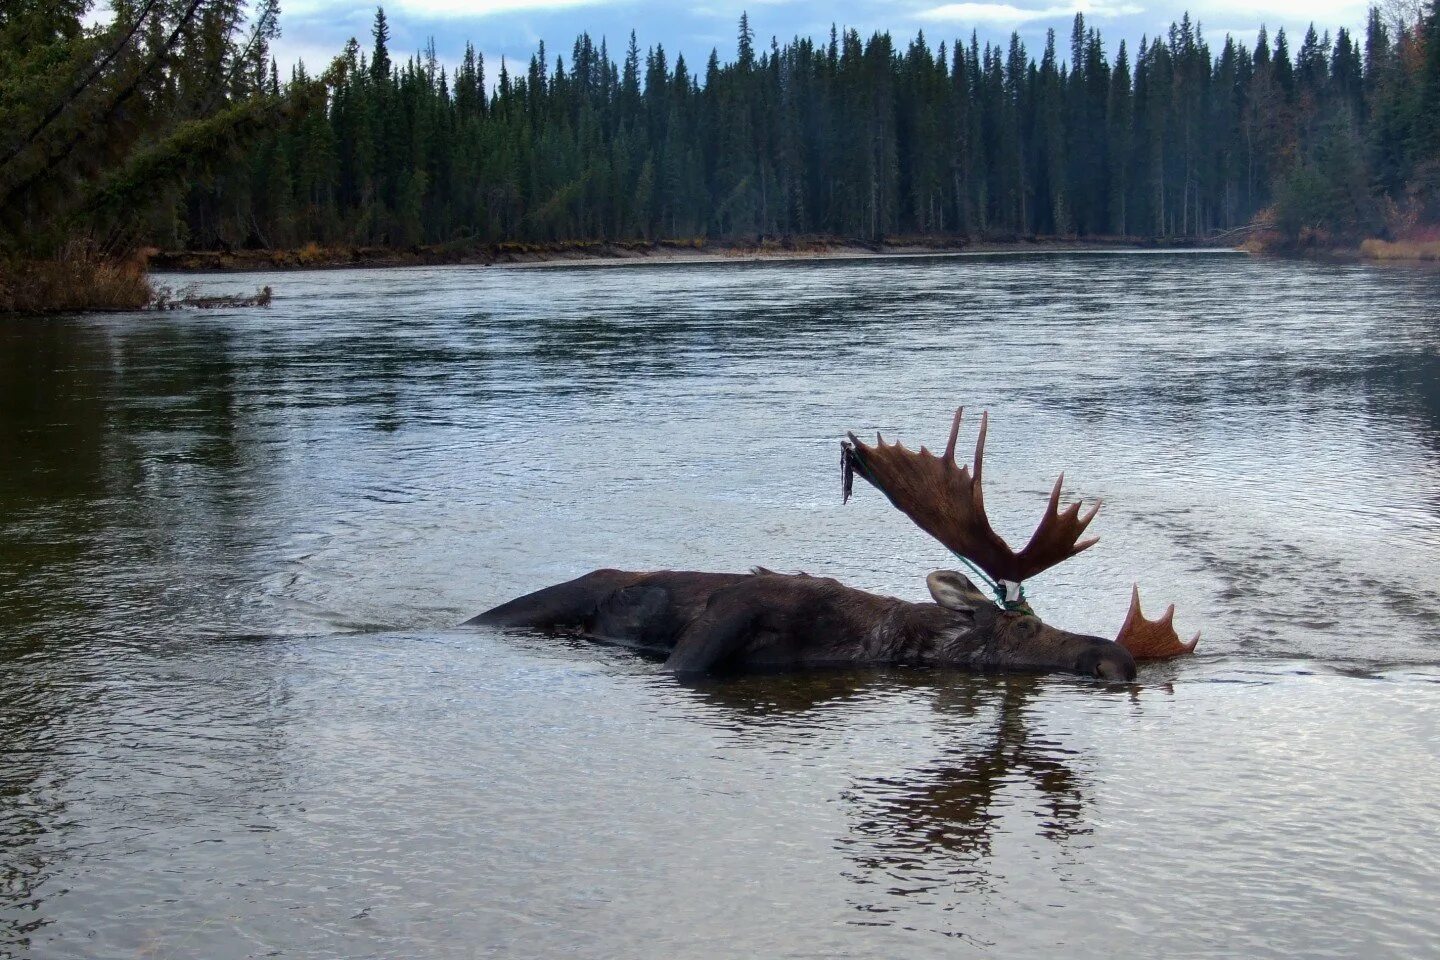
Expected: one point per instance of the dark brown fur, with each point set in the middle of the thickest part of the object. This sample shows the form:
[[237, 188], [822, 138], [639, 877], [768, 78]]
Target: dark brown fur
[[718, 621]]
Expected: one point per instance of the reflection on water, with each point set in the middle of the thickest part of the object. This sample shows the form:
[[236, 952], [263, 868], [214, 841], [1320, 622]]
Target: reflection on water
[[237, 719], [931, 831]]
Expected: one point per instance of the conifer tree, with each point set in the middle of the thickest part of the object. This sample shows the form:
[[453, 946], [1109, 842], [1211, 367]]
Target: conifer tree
[[854, 137], [380, 57]]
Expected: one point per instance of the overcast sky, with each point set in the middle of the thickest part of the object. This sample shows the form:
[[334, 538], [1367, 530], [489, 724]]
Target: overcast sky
[[316, 29]]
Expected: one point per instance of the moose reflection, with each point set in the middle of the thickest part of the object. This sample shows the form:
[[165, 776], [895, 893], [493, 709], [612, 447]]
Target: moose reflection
[[934, 826]]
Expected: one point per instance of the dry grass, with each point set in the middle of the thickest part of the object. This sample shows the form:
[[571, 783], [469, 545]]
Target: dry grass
[[1428, 250], [79, 283], [72, 284], [310, 254]]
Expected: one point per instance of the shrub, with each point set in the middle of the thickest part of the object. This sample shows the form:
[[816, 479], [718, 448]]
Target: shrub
[[1401, 250], [73, 282]]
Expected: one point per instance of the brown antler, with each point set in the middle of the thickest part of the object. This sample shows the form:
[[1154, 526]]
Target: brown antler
[[945, 500], [1152, 639]]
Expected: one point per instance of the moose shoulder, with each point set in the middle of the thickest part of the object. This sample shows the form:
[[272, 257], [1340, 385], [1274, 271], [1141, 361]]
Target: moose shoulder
[[718, 621]]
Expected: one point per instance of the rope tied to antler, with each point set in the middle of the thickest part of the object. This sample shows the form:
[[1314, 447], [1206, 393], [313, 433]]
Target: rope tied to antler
[[1008, 594], [946, 500]]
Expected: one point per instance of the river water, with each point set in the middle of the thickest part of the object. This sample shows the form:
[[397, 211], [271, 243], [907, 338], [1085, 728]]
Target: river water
[[237, 718]]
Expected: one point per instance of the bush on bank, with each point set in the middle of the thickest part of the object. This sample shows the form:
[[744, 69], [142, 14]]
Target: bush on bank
[[71, 283]]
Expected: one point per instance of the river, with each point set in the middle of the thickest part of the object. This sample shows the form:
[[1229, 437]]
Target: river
[[237, 717]]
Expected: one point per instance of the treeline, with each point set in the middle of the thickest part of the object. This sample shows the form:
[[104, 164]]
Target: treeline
[[849, 137], [846, 137]]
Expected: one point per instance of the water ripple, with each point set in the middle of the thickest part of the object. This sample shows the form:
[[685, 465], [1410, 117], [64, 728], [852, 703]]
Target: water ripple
[[237, 720]]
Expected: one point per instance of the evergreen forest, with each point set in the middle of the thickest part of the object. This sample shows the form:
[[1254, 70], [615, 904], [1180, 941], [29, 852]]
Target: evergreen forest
[[172, 126]]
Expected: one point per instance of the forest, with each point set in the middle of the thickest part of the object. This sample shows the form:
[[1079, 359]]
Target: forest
[[172, 126]]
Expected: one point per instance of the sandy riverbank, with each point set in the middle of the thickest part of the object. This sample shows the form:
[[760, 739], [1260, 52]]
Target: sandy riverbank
[[616, 254]]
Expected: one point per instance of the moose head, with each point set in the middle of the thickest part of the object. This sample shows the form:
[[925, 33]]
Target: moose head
[[946, 500]]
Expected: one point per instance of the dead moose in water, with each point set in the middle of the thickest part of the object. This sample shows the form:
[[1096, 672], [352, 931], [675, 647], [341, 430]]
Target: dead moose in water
[[735, 621]]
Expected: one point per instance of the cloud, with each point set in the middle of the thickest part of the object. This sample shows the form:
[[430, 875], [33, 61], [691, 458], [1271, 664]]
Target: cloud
[[488, 8], [1005, 13], [1324, 13]]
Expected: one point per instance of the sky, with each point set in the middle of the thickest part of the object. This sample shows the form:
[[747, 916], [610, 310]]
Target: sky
[[315, 30]]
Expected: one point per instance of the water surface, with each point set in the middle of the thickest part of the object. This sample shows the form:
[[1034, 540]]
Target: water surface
[[237, 718]]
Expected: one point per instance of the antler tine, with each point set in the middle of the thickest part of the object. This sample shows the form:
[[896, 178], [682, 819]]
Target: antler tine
[[954, 435], [980, 453], [1152, 639], [1080, 526], [947, 501], [1057, 537], [1055, 494], [977, 492]]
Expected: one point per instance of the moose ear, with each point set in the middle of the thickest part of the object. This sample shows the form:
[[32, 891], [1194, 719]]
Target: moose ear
[[954, 591]]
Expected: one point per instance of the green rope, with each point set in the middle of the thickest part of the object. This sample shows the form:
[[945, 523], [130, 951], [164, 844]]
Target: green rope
[[1018, 605]]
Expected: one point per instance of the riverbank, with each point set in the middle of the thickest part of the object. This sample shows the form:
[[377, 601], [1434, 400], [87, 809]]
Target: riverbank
[[83, 282], [1427, 251], [314, 257], [1370, 251], [1413, 244], [89, 285], [92, 285], [71, 283]]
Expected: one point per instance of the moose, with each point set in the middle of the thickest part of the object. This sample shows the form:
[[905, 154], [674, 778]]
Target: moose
[[713, 622]]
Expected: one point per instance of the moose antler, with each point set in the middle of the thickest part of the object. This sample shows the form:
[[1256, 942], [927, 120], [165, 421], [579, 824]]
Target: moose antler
[[945, 500], [1152, 639]]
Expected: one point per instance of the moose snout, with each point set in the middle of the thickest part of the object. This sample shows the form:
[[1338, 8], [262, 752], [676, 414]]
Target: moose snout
[[1106, 661]]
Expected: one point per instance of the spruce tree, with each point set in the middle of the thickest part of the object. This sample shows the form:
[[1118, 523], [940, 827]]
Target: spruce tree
[[380, 56], [846, 137]]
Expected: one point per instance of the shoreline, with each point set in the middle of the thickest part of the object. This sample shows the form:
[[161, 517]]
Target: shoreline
[[631, 253], [85, 284], [843, 256]]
